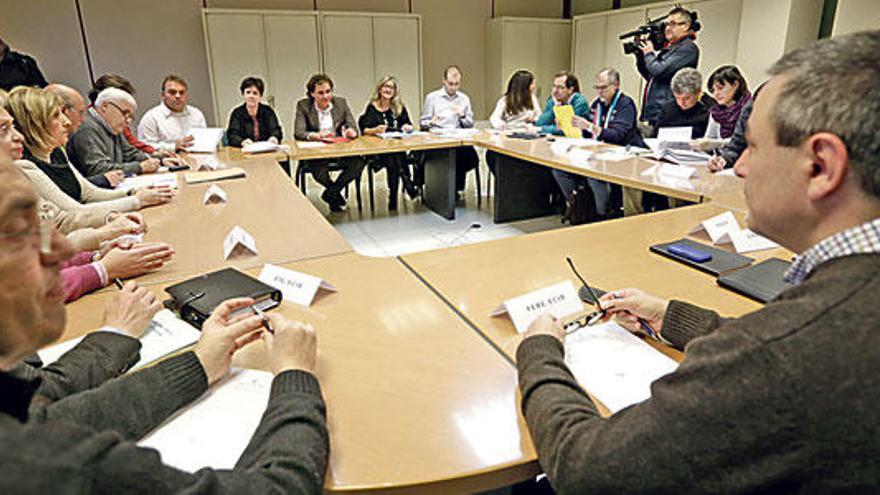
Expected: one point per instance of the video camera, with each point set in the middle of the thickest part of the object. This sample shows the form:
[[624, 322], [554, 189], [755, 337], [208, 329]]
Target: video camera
[[654, 31]]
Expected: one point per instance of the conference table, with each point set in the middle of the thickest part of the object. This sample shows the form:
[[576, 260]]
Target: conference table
[[419, 380]]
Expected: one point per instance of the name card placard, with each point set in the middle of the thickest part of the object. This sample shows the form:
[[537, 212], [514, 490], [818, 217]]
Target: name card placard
[[239, 242], [299, 288], [558, 300], [215, 194], [718, 227], [746, 240]]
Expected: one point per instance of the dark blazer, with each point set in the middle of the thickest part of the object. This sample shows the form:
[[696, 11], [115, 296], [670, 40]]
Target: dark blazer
[[622, 129], [241, 126], [306, 119], [696, 117], [658, 69]]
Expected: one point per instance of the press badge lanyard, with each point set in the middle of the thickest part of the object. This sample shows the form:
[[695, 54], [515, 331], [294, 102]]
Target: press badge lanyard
[[610, 111]]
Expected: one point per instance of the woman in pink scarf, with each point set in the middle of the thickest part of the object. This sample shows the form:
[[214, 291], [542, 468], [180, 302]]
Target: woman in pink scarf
[[731, 93]]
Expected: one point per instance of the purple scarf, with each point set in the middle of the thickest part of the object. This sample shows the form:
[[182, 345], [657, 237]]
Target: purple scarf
[[727, 116]]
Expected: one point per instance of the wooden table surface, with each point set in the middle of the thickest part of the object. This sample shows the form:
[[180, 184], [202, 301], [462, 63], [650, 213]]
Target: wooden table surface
[[417, 402]]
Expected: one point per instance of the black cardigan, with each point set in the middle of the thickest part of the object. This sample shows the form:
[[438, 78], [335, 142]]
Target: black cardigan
[[241, 125], [374, 118]]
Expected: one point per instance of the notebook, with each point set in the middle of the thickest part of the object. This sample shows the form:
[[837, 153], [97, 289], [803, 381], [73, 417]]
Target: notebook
[[761, 282], [721, 262]]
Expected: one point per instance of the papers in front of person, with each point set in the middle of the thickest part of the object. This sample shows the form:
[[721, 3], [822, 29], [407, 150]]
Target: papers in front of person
[[562, 146], [299, 288], [239, 242], [167, 333], [725, 229], [559, 300], [400, 134], [455, 133], [205, 139], [147, 180], [613, 365], [310, 144], [260, 147], [214, 430], [669, 170], [214, 175], [674, 144], [616, 154]]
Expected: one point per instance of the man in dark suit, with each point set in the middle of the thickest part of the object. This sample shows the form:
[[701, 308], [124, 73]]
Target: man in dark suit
[[321, 117]]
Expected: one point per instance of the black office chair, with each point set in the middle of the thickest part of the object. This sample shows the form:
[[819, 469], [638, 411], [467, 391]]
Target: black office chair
[[303, 169]]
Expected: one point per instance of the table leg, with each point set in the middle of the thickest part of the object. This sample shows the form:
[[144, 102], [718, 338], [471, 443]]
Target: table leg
[[439, 193], [523, 190]]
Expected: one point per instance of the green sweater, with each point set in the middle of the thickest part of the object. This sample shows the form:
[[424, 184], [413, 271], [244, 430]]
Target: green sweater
[[784, 399]]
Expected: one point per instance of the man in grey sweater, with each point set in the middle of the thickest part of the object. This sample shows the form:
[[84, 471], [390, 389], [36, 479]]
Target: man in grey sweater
[[67, 429], [781, 400]]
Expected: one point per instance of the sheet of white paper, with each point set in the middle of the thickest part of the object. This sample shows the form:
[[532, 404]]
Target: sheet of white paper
[[310, 144], [147, 180], [726, 171], [614, 365], [260, 147], [558, 300], [205, 139], [460, 133], [674, 133], [238, 236], [215, 193], [297, 287], [614, 155], [167, 333], [745, 241], [579, 156], [214, 431]]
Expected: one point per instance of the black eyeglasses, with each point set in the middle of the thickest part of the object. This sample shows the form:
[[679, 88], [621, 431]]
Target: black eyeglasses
[[127, 114], [589, 319]]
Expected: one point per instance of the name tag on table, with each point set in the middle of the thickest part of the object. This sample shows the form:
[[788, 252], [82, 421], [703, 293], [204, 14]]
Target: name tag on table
[[205, 162], [215, 194], [674, 133], [299, 288], [724, 229], [239, 242], [746, 240], [558, 300]]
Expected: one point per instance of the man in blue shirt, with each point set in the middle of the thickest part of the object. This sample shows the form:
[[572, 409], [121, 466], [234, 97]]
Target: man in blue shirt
[[566, 91]]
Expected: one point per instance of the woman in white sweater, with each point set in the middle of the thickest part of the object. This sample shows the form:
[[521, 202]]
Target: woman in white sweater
[[38, 116], [518, 108]]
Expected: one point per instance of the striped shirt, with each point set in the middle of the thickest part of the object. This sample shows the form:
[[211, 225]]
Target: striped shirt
[[861, 239]]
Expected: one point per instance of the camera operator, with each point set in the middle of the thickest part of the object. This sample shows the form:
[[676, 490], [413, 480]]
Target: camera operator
[[658, 67]]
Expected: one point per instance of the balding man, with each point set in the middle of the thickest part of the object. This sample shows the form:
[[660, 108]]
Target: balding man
[[99, 146], [783, 399], [74, 104]]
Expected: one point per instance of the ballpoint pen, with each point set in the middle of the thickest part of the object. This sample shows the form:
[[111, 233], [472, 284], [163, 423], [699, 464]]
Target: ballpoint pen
[[267, 324], [118, 283]]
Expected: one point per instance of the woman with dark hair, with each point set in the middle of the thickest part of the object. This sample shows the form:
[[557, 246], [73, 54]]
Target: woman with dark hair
[[253, 121], [731, 93], [518, 108]]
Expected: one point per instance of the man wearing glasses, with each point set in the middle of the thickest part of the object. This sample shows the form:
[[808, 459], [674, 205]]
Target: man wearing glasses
[[658, 67], [781, 400], [98, 146]]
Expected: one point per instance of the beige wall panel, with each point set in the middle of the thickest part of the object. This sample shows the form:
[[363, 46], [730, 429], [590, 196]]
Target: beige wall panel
[[630, 80], [529, 8], [453, 32], [234, 57], [396, 53], [761, 40], [520, 50], [589, 47], [856, 15], [262, 4], [348, 57], [720, 34], [803, 23], [401, 6], [54, 41], [294, 55], [581, 7], [555, 54], [494, 50], [144, 43]]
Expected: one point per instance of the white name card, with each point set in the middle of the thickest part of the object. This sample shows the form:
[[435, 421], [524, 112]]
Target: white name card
[[674, 133], [238, 241], [746, 240], [718, 227], [299, 288], [215, 194], [558, 300], [206, 162]]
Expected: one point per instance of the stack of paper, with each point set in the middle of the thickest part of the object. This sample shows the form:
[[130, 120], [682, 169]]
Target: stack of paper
[[260, 147], [205, 139], [615, 366], [214, 431], [142, 181]]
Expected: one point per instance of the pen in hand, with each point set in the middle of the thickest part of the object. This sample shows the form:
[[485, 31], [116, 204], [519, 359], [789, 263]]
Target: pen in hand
[[267, 324], [118, 283]]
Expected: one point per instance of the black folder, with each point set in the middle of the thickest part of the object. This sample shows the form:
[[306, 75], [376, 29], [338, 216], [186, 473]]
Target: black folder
[[761, 282], [722, 261], [195, 299]]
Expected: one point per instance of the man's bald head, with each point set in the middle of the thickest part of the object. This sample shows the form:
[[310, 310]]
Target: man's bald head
[[74, 104]]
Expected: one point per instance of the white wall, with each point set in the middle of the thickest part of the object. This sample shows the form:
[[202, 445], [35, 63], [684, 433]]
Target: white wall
[[856, 15]]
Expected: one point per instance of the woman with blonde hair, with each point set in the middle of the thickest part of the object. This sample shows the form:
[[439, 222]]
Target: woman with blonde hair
[[386, 113], [38, 115]]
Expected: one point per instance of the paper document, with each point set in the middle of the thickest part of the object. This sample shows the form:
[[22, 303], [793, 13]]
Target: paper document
[[166, 334], [400, 134], [615, 366], [260, 147], [455, 133], [310, 144], [674, 133], [559, 300], [214, 431], [564, 114], [205, 139], [147, 180]]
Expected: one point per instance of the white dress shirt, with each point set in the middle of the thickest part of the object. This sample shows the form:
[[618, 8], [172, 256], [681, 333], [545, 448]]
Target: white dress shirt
[[448, 108], [160, 127], [325, 119], [501, 121]]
